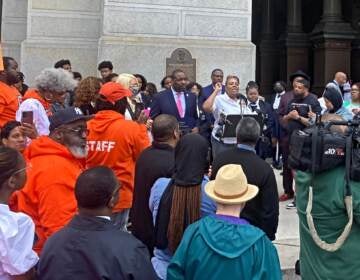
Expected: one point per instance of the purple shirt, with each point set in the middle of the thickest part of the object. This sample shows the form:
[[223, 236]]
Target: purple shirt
[[232, 219]]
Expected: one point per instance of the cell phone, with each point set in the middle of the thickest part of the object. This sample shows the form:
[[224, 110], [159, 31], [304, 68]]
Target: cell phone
[[27, 117], [147, 112]]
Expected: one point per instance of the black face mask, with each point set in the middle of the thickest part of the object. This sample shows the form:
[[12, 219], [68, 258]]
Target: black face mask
[[278, 89]]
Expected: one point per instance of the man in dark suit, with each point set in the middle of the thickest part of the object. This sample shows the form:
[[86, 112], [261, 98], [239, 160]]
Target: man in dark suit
[[155, 162], [217, 76], [177, 102], [263, 210]]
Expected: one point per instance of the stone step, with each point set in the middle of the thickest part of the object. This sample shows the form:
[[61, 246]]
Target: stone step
[[288, 250]]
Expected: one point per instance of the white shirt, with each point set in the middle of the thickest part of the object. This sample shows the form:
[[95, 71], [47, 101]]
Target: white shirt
[[16, 241], [277, 100], [182, 99], [41, 120], [257, 106], [227, 106]]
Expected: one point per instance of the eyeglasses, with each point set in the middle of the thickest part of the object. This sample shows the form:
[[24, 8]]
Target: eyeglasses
[[81, 131]]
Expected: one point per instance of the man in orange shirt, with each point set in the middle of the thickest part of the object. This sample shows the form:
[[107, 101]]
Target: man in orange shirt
[[56, 161], [9, 96], [116, 143]]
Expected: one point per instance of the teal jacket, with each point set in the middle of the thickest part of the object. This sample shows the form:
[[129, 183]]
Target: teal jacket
[[216, 248]]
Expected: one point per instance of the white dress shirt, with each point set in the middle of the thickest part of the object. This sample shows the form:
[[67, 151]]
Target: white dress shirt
[[227, 106], [16, 242], [276, 103]]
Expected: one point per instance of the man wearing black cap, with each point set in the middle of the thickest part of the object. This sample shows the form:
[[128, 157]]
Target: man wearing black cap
[[284, 141], [56, 160], [302, 111]]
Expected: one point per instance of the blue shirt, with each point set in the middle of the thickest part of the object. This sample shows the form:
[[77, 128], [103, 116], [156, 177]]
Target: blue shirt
[[246, 147], [162, 258], [344, 113]]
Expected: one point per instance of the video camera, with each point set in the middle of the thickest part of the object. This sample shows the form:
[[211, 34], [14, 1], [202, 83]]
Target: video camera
[[317, 149]]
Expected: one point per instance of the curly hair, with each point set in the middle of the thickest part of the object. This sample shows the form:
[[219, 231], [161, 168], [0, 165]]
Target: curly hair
[[87, 91], [55, 80]]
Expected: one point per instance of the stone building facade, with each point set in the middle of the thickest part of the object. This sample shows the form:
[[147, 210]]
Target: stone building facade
[[137, 35]]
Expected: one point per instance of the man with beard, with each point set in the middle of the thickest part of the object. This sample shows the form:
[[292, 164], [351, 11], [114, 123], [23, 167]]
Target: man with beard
[[301, 109], [56, 161], [9, 96], [301, 112]]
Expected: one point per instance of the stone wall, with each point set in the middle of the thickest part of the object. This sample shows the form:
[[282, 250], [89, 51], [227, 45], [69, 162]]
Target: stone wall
[[137, 35]]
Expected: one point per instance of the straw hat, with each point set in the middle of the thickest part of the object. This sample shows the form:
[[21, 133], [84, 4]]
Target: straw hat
[[230, 186]]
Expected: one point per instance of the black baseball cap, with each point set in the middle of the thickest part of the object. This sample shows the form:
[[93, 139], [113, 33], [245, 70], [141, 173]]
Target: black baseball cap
[[66, 116]]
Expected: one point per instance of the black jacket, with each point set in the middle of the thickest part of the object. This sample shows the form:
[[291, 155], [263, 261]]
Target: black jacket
[[263, 210], [153, 163], [93, 248]]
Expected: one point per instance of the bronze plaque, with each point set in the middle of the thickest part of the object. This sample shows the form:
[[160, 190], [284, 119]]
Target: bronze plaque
[[182, 59]]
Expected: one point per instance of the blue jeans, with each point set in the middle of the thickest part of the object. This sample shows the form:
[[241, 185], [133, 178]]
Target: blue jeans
[[121, 218], [219, 147]]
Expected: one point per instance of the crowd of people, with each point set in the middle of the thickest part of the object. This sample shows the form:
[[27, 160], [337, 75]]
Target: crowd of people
[[107, 178]]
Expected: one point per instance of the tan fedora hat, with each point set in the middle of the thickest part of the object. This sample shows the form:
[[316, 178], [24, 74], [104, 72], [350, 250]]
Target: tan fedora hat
[[230, 186]]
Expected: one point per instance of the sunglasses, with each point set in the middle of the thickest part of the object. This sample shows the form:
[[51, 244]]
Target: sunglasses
[[81, 131]]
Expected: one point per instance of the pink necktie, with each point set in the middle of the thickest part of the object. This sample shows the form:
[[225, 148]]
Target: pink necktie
[[179, 105]]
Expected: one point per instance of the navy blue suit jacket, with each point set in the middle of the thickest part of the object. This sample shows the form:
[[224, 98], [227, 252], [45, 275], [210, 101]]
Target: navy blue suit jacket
[[164, 103]]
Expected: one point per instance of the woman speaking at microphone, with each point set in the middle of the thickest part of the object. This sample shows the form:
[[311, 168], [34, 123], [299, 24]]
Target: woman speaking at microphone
[[221, 105]]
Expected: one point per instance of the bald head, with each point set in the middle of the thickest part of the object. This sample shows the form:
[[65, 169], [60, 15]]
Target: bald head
[[340, 78], [165, 128]]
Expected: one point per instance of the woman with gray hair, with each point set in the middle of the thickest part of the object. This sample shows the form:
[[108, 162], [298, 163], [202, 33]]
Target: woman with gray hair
[[51, 86]]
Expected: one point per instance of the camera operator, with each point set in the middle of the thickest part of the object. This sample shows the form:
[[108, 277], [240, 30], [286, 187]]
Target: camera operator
[[329, 213], [221, 105], [302, 110], [260, 107]]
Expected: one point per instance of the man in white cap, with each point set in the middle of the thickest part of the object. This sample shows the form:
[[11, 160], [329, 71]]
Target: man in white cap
[[224, 246]]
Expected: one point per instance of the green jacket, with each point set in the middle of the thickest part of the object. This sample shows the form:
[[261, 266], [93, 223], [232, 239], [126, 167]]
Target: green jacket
[[214, 248], [330, 217]]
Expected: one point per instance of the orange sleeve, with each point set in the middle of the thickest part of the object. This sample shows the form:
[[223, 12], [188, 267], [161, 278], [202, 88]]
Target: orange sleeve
[[57, 205], [3, 103], [141, 140]]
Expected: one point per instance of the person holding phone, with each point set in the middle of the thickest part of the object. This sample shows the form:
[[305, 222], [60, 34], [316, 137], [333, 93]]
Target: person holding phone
[[303, 108], [302, 112], [51, 86]]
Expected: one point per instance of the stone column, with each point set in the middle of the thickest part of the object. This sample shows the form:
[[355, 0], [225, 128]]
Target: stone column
[[295, 50], [331, 38], [61, 29], [13, 26], [294, 19], [332, 10], [268, 49]]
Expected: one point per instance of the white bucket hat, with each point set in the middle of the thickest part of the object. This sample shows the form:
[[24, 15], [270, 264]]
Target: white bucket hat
[[230, 186]]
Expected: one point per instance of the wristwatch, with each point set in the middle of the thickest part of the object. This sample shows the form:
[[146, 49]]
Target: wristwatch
[[299, 118]]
